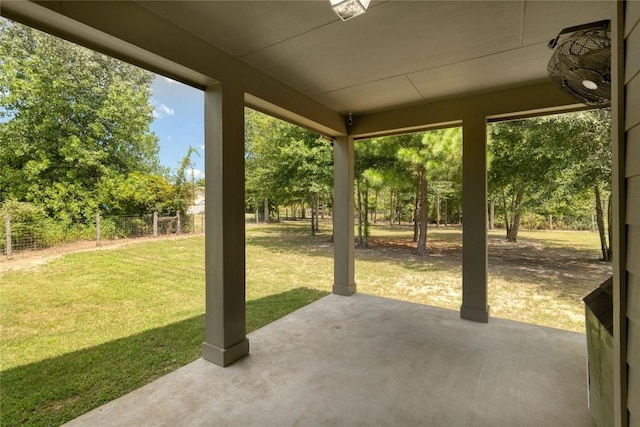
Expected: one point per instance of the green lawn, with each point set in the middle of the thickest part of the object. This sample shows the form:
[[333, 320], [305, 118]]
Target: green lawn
[[86, 328]]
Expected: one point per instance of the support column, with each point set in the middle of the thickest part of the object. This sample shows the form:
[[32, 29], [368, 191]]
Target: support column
[[474, 211], [225, 319], [343, 206]]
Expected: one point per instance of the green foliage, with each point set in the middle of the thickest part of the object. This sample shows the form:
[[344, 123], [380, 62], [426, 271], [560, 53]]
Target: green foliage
[[549, 166], [69, 119], [285, 164], [184, 187], [30, 224], [136, 194], [409, 170]]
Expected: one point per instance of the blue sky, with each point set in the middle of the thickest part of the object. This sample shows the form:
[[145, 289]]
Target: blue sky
[[179, 122]]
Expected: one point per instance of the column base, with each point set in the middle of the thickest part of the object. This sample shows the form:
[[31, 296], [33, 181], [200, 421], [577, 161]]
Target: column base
[[343, 290], [474, 314], [225, 356]]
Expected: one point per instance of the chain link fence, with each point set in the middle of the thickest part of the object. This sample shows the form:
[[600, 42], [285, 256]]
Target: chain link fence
[[23, 236]]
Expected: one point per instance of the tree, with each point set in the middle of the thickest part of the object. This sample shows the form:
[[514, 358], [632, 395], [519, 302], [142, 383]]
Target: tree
[[285, 165], [406, 165], [435, 157], [137, 193], [184, 186], [549, 164], [591, 170], [69, 119], [374, 162], [527, 158]]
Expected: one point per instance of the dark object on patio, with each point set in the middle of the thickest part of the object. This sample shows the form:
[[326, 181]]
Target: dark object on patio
[[599, 329]]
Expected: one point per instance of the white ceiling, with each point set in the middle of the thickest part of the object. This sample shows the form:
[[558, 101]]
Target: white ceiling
[[400, 53]]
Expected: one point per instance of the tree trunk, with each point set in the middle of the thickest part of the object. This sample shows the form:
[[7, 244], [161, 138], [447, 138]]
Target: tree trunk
[[317, 200], [512, 236], [313, 215], [438, 210], [492, 214], [266, 210], [303, 212], [600, 222], [507, 224], [550, 222], [391, 210], [422, 240], [365, 216], [445, 217], [360, 239], [416, 214], [610, 229], [333, 221], [375, 207]]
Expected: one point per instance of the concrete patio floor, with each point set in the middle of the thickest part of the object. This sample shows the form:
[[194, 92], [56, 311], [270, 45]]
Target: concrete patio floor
[[369, 361]]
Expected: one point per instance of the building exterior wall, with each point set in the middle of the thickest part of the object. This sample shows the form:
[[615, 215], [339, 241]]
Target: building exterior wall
[[632, 179]]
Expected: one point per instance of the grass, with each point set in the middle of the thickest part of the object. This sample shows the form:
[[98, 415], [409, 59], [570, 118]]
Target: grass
[[86, 328]]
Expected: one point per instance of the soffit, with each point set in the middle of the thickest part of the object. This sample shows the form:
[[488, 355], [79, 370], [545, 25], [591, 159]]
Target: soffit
[[400, 53]]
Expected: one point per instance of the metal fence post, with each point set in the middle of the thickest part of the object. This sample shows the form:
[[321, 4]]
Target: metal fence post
[[155, 224], [98, 227], [7, 225]]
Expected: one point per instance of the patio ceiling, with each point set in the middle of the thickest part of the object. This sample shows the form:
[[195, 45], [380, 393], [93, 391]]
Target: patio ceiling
[[401, 53]]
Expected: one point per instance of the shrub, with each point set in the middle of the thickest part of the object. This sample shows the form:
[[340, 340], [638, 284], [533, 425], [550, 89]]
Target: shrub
[[28, 225]]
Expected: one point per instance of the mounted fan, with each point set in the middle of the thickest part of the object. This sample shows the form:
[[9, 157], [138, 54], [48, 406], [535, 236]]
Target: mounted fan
[[581, 64]]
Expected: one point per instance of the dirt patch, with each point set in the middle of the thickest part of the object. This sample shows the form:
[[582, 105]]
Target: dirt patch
[[524, 260], [533, 259]]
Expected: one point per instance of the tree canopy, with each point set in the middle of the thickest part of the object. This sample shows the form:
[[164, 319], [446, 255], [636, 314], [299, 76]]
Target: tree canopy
[[556, 165], [285, 164], [72, 121]]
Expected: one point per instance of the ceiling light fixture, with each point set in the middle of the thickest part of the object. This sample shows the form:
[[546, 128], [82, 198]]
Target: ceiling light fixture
[[347, 9]]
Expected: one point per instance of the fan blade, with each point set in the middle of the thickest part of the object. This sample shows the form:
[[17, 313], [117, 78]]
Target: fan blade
[[599, 61]]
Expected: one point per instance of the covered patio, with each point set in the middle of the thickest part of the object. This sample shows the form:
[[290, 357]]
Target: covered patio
[[403, 66], [370, 361]]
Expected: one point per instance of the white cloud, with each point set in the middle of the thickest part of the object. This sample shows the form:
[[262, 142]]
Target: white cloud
[[170, 81], [161, 110], [166, 110], [202, 147], [197, 173]]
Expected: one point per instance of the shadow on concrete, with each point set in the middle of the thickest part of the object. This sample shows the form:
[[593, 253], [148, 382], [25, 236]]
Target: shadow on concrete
[[56, 390]]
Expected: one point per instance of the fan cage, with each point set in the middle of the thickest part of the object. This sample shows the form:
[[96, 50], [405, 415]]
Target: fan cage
[[585, 55]]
